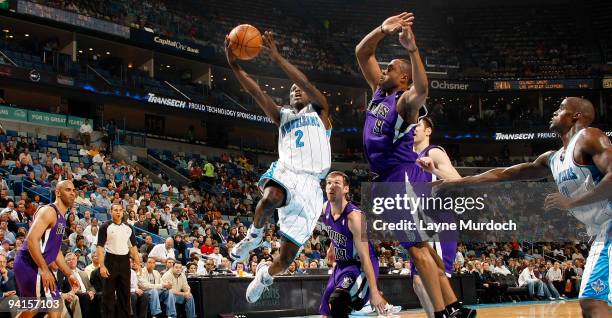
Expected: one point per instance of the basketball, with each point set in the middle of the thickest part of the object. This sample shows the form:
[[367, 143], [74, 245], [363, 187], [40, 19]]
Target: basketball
[[245, 41]]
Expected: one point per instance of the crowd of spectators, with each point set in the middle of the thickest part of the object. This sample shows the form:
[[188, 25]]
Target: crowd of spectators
[[451, 38], [190, 230]]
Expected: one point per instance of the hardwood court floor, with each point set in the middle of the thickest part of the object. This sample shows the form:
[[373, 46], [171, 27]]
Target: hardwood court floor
[[557, 309], [568, 309]]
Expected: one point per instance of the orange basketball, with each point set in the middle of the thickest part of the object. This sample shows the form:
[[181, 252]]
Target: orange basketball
[[245, 41]]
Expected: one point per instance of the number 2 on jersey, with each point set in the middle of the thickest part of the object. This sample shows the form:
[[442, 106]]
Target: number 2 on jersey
[[298, 142]]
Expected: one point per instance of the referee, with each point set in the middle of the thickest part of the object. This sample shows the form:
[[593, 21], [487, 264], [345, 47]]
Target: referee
[[116, 238]]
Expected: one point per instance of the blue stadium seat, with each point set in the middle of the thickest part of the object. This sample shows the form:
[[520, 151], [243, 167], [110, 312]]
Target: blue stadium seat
[[52, 138], [11, 133]]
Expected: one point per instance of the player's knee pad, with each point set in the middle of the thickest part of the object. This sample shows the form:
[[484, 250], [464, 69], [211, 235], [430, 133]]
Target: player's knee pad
[[340, 304]]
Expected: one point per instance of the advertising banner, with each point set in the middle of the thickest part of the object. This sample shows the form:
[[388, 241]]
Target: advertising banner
[[13, 113]]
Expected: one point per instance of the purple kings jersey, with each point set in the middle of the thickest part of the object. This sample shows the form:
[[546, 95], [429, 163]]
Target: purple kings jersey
[[424, 175], [50, 242], [387, 138], [341, 236]]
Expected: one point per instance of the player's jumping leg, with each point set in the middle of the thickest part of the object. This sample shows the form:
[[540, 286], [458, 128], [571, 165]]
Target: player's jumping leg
[[264, 275], [273, 197], [428, 269], [593, 308]]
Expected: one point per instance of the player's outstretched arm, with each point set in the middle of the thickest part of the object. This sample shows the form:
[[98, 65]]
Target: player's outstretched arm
[[357, 227], [263, 100], [538, 169], [365, 50], [296, 76], [411, 101], [595, 143]]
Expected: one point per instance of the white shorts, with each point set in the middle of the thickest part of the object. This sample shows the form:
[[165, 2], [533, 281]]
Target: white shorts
[[303, 204], [597, 275]]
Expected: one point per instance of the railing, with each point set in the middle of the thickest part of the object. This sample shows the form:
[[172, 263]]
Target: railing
[[37, 190]]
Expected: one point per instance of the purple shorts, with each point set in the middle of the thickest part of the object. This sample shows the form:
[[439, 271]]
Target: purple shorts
[[407, 178], [28, 280], [349, 278]]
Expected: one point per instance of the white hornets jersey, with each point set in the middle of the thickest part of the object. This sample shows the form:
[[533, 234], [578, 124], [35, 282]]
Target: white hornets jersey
[[303, 141], [573, 179]]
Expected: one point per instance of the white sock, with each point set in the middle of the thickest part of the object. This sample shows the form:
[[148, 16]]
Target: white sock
[[265, 275], [256, 231]]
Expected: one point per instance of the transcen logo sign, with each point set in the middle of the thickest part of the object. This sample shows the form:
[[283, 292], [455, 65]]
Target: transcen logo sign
[[151, 98], [166, 101], [532, 136], [176, 44]]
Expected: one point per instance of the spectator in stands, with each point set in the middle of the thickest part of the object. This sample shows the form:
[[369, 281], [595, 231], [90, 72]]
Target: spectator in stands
[[13, 253], [85, 221], [241, 272], [207, 248], [18, 170], [209, 267], [25, 158], [163, 252], [72, 308], [7, 287], [555, 276], [547, 283], [90, 305], [500, 268], [57, 163], [181, 290], [85, 132], [95, 263], [157, 291], [153, 226], [147, 246], [209, 172], [103, 201], [139, 300], [533, 283], [37, 168], [72, 238]]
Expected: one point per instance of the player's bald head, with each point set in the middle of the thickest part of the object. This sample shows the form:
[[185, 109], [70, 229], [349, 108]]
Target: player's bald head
[[64, 184], [582, 106]]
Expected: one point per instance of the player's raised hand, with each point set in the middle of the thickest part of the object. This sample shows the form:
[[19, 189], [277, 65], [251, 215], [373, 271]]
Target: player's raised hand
[[427, 164], [48, 281], [406, 38], [231, 58], [557, 201], [270, 44], [395, 23]]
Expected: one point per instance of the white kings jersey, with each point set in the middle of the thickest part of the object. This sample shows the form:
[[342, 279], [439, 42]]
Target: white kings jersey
[[303, 141], [573, 179]]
